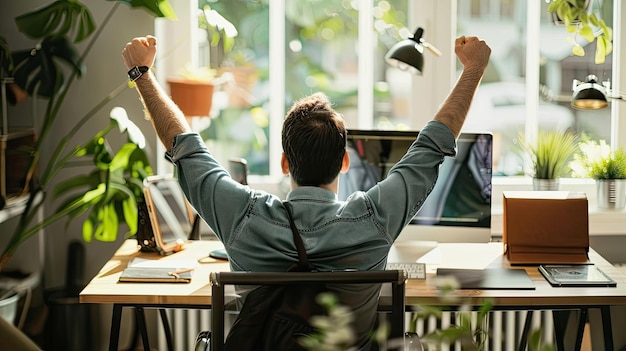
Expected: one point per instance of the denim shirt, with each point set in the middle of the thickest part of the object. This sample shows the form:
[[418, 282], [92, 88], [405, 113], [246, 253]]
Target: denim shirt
[[352, 234]]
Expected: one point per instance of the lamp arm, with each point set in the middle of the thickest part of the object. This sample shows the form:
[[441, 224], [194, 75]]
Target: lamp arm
[[431, 48]]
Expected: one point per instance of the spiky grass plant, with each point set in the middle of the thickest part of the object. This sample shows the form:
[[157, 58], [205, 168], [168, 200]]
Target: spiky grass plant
[[551, 154]]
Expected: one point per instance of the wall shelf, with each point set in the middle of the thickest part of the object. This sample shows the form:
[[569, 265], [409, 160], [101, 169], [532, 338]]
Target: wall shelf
[[15, 206]]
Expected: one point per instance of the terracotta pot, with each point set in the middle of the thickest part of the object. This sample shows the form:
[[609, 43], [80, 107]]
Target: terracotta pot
[[193, 97], [15, 94]]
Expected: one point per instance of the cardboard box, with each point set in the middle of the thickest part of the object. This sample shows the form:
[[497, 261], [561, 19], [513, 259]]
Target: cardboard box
[[542, 227]]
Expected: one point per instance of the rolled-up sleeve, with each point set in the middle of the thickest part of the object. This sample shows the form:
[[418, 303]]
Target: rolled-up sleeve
[[219, 199]]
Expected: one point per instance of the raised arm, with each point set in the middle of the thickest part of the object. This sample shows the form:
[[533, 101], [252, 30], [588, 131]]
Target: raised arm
[[474, 55], [168, 120]]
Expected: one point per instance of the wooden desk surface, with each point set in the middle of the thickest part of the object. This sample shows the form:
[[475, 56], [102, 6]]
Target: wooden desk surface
[[104, 288]]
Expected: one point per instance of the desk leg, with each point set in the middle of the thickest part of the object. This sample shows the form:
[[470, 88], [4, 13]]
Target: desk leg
[[607, 327], [166, 329], [524, 338], [582, 320], [141, 323], [564, 323], [115, 327]]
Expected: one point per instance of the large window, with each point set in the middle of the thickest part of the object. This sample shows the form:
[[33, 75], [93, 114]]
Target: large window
[[520, 67], [337, 47], [289, 49]]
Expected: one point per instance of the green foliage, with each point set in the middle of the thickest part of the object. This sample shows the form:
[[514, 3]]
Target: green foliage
[[579, 21], [535, 342], [46, 71], [596, 160], [551, 154], [335, 332], [470, 331]]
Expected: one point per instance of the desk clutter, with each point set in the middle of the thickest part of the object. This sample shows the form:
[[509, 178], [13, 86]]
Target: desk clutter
[[545, 227]]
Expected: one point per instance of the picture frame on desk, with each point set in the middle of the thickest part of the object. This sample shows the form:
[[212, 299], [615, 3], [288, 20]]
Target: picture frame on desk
[[170, 215]]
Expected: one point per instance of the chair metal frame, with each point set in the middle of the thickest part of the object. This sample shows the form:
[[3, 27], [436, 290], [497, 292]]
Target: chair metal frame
[[219, 280]]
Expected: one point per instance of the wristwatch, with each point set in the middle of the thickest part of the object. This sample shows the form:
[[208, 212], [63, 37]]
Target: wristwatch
[[137, 71]]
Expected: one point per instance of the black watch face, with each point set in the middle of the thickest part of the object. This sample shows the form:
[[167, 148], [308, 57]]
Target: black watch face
[[134, 73]]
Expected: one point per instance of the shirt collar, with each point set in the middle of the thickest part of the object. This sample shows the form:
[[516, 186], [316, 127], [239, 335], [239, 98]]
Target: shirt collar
[[311, 192]]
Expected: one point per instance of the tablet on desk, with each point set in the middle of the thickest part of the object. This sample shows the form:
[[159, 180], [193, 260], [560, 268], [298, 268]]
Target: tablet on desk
[[576, 275], [169, 213]]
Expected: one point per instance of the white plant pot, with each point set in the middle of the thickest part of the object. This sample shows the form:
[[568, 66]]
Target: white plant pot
[[8, 307], [546, 184], [611, 193]]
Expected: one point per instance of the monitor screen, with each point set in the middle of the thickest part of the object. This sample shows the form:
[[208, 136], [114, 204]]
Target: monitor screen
[[459, 207]]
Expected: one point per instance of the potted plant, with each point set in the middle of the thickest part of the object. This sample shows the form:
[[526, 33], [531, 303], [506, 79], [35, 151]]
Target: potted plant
[[549, 157], [577, 17], [193, 90], [46, 72], [607, 167], [232, 59]]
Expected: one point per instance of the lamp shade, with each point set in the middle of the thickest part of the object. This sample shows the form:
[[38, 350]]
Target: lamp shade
[[408, 54], [589, 95]]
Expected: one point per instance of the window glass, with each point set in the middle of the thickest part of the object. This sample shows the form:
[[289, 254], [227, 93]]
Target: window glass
[[500, 104], [321, 54], [322, 50], [239, 126]]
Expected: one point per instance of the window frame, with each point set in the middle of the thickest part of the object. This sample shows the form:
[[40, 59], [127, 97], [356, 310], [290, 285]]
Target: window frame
[[439, 75]]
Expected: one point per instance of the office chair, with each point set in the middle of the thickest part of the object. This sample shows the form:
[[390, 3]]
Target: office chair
[[395, 308]]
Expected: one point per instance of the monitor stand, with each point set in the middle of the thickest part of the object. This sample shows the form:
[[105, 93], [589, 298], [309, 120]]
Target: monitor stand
[[409, 251]]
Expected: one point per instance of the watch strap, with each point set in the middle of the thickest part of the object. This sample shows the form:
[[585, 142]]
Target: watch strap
[[137, 71]]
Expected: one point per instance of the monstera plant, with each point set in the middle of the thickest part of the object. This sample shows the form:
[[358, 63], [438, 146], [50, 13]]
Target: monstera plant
[[46, 71]]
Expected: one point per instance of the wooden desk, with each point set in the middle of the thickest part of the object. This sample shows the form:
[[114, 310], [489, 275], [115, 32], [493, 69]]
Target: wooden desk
[[105, 289], [420, 292]]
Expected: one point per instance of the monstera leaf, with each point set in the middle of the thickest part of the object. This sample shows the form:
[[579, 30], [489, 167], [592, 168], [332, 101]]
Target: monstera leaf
[[159, 8], [42, 70], [39, 71], [59, 19]]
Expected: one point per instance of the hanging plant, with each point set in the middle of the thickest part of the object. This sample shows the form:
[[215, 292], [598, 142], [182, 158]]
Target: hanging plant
[[579, 20]]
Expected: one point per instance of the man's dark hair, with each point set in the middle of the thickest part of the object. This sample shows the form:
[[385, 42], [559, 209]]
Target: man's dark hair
[[314, 140]]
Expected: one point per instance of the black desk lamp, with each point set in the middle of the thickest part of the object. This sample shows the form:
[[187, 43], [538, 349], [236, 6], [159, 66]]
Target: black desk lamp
[[591, 95], [407, 54]]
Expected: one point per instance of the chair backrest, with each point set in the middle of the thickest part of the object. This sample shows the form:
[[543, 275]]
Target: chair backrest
[[395, 308]]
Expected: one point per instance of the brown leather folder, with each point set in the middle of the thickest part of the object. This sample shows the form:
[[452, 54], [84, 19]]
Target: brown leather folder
[[543, 227]]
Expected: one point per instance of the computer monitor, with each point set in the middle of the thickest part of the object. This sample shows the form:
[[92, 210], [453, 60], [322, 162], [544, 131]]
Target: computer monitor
[[458, 208]]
